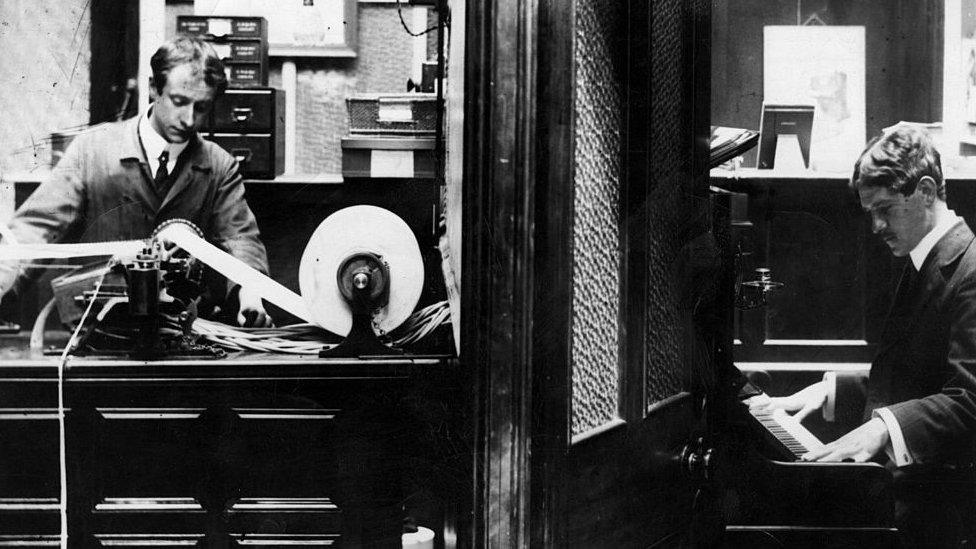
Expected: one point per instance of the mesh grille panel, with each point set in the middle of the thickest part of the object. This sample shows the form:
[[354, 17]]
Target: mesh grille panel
[[673, 188], [596, 234]]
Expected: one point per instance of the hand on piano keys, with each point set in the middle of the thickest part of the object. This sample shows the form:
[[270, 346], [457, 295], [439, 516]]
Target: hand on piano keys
[[803, 402], [859, 445]]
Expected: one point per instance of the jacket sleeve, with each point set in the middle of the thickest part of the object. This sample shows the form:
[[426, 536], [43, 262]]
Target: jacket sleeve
[[52, 209], [942, 425], [235, 229]]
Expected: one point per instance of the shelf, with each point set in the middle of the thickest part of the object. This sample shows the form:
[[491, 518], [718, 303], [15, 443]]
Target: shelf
[[965, 173], [40, 174], [300, 179]]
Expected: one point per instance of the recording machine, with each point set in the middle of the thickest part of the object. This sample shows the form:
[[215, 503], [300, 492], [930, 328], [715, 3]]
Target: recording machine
[[361, 277], [144, 306]]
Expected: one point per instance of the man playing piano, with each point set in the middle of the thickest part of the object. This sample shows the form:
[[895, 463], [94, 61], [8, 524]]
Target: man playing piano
[[917, 409]]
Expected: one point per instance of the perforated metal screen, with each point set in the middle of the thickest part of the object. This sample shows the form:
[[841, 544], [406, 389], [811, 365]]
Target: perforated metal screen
[[596, 227]]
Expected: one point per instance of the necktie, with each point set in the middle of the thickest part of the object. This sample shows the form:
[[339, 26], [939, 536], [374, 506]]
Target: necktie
[[906, 291], [162, 173]]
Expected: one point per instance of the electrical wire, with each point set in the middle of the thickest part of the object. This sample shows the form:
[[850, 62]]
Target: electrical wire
[[309, 339], [421, 324], [300, 339], [62, 449], [421, 33]]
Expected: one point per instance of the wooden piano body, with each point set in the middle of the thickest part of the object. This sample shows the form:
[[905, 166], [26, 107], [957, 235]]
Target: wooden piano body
[[771, 499]]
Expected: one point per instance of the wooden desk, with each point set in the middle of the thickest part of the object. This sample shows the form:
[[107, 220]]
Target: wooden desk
[[260, 449]]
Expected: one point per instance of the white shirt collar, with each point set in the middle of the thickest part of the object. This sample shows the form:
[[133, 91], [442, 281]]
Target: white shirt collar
[[153, 144], [924, 246]]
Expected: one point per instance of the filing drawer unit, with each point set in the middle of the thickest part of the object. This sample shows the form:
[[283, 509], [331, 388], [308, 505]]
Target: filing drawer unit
[[241, 42], [248, 123]]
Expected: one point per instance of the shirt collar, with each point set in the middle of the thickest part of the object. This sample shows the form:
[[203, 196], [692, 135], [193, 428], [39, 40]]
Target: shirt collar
[[154, 144], [924, 246]]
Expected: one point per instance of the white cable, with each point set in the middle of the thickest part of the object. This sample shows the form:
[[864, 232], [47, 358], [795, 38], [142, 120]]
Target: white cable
[[62, 444]]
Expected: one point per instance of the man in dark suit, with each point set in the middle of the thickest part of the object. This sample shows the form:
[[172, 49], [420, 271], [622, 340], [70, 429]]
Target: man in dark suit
[[120, 181], [918, 406]]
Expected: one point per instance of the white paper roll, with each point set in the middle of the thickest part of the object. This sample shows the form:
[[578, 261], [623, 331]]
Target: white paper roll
[[353, 230]]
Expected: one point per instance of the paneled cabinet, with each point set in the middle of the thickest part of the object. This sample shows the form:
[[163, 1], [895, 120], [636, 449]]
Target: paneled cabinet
[[249, 451]]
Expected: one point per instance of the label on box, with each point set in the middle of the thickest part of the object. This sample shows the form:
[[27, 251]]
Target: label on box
[[247, 51], [244, 75], [193, 26], [247, 27], [394, 111], [386, 163]]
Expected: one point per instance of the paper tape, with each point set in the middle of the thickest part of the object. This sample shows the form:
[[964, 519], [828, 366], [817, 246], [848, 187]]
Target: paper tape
[[236, 270], [24, 252]]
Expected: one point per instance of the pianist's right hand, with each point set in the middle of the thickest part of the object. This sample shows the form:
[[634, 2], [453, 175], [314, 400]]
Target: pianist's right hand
[[802, 402]]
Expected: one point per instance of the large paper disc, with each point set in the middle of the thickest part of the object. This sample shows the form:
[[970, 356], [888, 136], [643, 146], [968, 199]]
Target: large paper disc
[[353, 230]]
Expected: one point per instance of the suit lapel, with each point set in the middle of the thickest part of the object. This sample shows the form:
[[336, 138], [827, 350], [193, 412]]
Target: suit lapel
[[902, 319]]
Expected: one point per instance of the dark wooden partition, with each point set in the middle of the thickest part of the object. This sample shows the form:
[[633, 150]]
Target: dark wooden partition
[[839, 278]]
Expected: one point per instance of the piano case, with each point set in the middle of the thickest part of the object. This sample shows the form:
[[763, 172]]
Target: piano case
[[773, 500]]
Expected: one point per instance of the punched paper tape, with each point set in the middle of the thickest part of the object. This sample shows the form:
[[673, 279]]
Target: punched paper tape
[[236, 270]]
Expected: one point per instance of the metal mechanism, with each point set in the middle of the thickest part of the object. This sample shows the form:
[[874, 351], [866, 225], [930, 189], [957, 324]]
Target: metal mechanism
[[749, 294], [752, 293], [144, 308], [362, 275], [364, 283], [696, 460]]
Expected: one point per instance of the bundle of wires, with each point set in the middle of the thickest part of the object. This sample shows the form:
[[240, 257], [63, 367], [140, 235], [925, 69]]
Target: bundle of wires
[[309, 339], [298, 339], [421, 324]]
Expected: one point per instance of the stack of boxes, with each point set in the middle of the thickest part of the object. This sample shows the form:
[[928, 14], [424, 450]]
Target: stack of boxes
[[248, 120], [391, 136]]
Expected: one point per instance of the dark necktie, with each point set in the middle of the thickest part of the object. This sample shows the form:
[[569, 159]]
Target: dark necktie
[[162, 173], [907, 288]]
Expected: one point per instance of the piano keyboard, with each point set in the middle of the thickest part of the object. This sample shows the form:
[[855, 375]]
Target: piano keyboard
[[788, 431]]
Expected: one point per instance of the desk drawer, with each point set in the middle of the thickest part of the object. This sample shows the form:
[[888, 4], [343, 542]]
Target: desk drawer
[[260, 154], [248, 111]]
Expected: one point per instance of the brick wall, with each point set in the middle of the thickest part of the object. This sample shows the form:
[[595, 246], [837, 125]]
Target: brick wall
[[383, 64]]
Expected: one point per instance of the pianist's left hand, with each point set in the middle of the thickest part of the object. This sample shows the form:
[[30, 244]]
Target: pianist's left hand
[[861, 444], [802, 403]]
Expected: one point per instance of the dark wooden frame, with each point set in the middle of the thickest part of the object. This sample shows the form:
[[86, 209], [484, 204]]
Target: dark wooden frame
[[496, 297], [517, 266]]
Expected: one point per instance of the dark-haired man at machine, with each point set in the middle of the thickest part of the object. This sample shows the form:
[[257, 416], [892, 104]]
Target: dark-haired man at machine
[[120, 181]]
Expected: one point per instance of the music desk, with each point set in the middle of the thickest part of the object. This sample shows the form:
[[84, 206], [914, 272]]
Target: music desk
[[249, 450]]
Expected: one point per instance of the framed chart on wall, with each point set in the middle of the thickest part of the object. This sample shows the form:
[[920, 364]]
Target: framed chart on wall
[[297, 28]]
